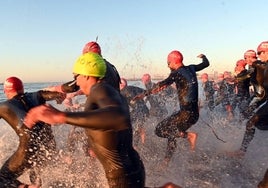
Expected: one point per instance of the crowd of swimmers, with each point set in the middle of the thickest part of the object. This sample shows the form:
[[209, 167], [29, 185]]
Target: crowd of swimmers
[[114, 113]]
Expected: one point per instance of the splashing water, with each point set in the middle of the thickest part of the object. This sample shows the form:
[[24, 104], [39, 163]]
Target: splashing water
[[207, 167]]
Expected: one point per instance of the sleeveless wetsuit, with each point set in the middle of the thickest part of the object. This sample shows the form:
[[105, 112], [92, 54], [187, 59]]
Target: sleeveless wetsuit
[[260, 118], [108, 127], [187, 88], [36, 146]]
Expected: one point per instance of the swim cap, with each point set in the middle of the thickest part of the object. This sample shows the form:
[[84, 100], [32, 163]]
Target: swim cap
[[92, 47], [227, 74], [263, 47], [90, 64], [204, 76], [241, 62], [250, 53], [220, 76], [13, 84], [146, 78], [175, 57], [239, 68]]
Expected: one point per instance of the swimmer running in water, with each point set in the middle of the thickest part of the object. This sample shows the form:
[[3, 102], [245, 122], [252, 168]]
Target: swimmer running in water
[[36, 146], [186, 82], [106, 120]]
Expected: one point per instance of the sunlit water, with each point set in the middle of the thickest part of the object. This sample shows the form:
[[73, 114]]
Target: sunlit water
[[207, 167]]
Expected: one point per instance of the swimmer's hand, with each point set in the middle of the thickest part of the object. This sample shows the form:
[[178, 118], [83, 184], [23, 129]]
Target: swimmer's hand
[[201, 56], [45, 113], [60, 98]]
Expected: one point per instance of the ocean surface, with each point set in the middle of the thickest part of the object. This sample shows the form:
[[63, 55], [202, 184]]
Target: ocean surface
[[207, 167]]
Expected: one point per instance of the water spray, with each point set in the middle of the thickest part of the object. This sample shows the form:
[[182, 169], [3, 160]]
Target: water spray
[[213, 131]]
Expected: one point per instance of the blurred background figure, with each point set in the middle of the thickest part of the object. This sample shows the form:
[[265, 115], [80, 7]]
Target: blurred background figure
[[139, 112], [226, 94], [209, 90], [157, 104], [242, 79], [250, 56]]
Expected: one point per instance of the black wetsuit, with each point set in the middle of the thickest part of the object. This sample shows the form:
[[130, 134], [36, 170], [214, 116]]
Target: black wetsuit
[[226, 93], [242, 96], [157, 104], [138, 110], [260, 118], [112, 77], [209, 91], [36, 146], [257, 80], [108, 126], [187, 88]]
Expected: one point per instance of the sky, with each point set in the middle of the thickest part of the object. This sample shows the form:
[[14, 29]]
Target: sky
[[41, 40]]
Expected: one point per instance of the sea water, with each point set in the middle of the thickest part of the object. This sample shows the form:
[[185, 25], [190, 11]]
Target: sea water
[[206, 167]]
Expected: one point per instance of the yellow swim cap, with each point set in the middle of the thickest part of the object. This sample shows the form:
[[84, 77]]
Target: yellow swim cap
[[90, 64]]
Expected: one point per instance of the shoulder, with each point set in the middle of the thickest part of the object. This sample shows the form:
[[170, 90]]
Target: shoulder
[[103, 89], [7, 107], [4, 104]]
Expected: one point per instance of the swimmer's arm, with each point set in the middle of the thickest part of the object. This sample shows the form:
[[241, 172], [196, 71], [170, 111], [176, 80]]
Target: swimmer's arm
[[109, 118], [52, 95], [203, 64], [160, 86]]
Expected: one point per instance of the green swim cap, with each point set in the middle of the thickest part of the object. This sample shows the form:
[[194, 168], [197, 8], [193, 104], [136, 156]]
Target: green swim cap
[[90, 64]]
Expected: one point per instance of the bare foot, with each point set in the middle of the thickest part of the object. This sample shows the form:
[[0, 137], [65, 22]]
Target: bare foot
[[192, 139], [170, 185], [91, 153]]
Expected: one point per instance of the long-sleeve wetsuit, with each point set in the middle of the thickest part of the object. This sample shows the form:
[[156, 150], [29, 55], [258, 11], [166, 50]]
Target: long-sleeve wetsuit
[[242, 98], [138, 110], [260, 118], [36, 146], [106, 120], [187, 88], [208, 88]]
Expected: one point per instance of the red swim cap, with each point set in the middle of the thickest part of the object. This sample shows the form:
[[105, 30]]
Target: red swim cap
[[92, 47], [250, 53], [263, 47], [220, 76], [241, 62], [204, 76], [13, 84], [175, 57], [146, 78]]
